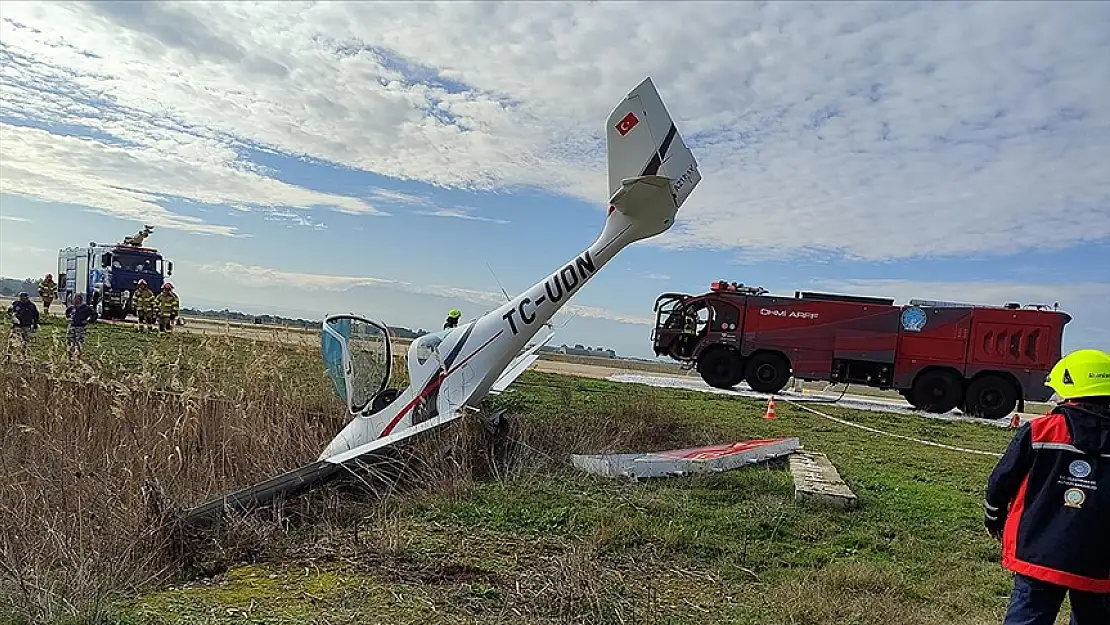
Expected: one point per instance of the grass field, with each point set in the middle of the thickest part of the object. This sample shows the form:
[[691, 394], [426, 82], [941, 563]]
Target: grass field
[[98, 456]]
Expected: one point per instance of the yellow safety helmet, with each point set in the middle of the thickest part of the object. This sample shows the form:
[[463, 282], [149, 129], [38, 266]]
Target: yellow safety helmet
[[1083, 373], [454, 314]]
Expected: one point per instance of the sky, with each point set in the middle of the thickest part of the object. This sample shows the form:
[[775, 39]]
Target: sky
[[396, 160]]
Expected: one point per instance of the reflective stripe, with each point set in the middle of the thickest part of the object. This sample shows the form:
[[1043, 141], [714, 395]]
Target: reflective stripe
[[991, 508], [1060, 446], [1064, 447], [991, 518]]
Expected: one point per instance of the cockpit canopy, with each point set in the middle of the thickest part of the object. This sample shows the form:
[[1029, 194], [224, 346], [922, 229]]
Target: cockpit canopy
[[358, 357]]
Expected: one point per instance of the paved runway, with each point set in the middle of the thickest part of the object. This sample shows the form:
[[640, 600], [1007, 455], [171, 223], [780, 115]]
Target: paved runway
[[855, 402]]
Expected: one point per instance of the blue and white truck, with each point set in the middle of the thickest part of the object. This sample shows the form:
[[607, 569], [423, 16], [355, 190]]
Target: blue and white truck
[[107, 275]]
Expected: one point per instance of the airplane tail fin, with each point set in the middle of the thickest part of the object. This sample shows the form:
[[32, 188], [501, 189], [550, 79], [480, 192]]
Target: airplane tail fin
[[651, 170]]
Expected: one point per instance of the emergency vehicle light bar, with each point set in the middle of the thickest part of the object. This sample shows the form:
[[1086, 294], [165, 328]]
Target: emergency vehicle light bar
[[736, 287]]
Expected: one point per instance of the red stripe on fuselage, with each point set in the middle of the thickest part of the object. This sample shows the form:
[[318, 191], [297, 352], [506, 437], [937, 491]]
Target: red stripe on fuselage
[[433, 386]]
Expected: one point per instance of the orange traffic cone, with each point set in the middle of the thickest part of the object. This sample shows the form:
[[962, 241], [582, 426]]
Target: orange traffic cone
[[770, 414], [1015, 422]]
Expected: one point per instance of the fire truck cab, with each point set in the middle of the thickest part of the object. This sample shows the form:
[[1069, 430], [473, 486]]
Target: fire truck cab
[[984, 360]]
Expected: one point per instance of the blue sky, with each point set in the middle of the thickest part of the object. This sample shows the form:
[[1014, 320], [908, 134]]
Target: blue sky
[[306, 158]]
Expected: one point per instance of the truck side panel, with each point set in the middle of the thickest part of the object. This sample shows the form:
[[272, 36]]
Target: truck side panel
[[1025, 343], [814, 332], [81, 275], [941, 342]]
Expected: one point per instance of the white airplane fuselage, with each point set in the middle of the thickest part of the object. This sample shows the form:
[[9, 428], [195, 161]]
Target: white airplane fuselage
[[651, 173]]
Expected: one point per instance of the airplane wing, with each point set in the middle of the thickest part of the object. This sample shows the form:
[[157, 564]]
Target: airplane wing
[[518, 366]]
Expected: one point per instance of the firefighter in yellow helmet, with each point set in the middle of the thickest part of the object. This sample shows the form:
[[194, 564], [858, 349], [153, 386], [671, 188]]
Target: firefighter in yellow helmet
[[165, 306], [1048, 500], [48, 291], [452, 319], [144, 305], [689, 332]]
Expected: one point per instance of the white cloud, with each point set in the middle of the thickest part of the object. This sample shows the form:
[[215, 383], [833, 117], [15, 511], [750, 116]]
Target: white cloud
[[878, 130], [14, 218], [130, 181], [459, 213], [291, 219], [266, 277], [658, 276], [400, 197]]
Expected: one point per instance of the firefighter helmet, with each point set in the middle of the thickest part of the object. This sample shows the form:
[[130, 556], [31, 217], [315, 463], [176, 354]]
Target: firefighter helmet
[[49, 276], [1083, 373], [167, 286], [142, 282], [454, 314]]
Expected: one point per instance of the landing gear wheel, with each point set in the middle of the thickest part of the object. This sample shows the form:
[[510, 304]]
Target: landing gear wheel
[[991, 397], [936, 392], [767, 372], [720, 368]]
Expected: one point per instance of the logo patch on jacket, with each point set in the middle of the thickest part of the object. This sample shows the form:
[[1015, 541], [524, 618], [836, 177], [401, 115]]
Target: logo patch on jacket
[[1074, 498], [1079, 468]]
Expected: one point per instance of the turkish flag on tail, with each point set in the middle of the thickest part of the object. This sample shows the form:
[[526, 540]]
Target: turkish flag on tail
[[627, 123]]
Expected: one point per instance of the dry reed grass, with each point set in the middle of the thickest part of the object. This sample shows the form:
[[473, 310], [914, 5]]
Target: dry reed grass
[[99, 457]]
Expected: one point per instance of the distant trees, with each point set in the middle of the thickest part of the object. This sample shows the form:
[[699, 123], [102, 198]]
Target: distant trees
[[241, 317], [10, 287]]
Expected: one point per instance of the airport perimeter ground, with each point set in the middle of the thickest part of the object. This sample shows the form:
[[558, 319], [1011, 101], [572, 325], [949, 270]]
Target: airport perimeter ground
[[98, 457]]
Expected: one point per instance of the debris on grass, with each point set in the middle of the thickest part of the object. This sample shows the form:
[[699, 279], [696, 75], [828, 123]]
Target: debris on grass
[[690, 461], [817, 480]]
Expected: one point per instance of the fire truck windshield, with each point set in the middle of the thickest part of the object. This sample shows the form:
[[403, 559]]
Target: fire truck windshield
[[136, 262], [665, 308]]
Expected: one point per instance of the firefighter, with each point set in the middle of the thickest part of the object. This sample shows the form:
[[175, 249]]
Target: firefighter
[[25, 321], [452, 319], [1048, 500], [689, 330], [144, 305], [166, 305], [80, 315], [48, 291]]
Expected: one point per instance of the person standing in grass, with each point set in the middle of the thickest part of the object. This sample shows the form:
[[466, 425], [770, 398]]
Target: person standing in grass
[[80, 315], [1048, 500], [166, 306], [25, 320], [48, 291], [144, 306]]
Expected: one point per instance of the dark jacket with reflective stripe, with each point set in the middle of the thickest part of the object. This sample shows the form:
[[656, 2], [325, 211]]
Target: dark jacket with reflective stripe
[[1050, 495]]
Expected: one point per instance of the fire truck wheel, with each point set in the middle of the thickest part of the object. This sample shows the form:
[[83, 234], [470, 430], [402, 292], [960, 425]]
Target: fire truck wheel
[[720, 368], [936, 391], [767, 372], [991, 397]]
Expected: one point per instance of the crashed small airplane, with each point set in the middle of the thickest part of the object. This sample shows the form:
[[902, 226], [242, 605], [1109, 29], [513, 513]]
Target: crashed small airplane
[[651, 173]]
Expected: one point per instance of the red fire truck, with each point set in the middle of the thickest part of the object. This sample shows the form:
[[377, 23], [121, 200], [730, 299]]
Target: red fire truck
[[984, 360]]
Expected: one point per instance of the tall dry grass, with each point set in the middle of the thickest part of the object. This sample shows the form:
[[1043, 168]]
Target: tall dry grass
[[100, 457]]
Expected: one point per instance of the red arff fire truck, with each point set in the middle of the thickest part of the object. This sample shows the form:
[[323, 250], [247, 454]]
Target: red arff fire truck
[[984, 360]]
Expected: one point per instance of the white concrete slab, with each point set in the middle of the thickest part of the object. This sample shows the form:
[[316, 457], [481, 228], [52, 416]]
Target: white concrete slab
[[677, 462], [818, 481]]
